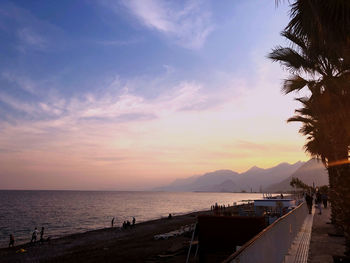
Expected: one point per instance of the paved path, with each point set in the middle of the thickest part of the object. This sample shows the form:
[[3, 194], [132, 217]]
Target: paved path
[[323, 246], [313, 244]]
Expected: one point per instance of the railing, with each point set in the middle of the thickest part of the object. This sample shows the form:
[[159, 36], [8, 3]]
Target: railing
[[272, 244]]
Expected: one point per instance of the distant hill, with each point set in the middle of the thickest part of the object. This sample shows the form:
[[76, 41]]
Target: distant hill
[[254, 179], [200, 182], [311, 172], [257, 179]]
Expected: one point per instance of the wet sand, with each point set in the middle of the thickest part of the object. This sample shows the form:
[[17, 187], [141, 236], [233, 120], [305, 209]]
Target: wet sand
[[136, 244]]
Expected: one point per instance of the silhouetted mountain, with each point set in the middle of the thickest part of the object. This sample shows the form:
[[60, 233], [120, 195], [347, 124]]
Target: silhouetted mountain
[[213, 179], [227, 186], [311, 172], [254, 179], [182, 183], [257, 179], [200, 183]]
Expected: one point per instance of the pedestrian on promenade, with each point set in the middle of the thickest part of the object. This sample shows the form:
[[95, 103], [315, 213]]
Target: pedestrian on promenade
[[319, 202], [325, 200], [133, 221], [112, 222], [308, 199]]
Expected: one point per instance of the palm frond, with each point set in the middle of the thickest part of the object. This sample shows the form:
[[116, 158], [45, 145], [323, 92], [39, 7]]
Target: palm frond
[[294, 83], [291, 59], [299, 41], [299, 119]]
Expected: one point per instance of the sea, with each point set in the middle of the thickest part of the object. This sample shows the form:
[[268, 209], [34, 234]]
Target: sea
[[66, 212]]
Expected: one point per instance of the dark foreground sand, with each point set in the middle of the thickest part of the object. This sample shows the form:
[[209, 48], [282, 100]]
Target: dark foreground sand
[[111, 245]]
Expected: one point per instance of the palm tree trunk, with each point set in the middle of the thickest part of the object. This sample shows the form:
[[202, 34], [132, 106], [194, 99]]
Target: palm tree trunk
[[333, 198], [343, 190]]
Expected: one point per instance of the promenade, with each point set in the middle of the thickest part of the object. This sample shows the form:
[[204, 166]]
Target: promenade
[[322, 246], [313, 244]]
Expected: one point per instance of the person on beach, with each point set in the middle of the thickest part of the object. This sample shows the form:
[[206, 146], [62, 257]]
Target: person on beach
[[133, 220], [308, 199], [12, 241], [34, 235], [112, 222], [42, 234], [319, 202]]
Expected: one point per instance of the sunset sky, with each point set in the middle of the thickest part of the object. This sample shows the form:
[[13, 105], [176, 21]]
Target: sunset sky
[[129, 95]]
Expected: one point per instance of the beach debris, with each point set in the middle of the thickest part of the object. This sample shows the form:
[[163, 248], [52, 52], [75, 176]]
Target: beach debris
[[167, 256], [22, 250], [183, 230]]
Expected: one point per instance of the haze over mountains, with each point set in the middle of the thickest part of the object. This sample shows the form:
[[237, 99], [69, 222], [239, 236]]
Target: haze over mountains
[[256, 179]]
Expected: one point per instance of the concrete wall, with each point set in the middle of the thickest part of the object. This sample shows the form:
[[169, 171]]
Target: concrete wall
[[272, 244]]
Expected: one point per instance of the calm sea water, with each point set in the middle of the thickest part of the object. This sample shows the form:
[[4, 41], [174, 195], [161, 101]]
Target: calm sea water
[[65, 212]]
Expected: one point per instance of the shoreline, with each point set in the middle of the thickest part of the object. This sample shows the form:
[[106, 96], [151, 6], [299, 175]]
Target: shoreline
[[116, 227], [134, 245]]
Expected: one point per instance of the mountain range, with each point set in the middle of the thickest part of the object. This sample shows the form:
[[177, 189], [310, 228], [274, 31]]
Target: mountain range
[[256, 179]]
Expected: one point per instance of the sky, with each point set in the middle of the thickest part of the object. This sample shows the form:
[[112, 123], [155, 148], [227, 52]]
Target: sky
[[129, 95]]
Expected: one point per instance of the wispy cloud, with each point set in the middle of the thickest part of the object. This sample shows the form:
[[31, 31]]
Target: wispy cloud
[[188, 24], [127, 104], [22, 82], [119, 42], [17, 104], [31, 32], [31, 38], [115, 103]]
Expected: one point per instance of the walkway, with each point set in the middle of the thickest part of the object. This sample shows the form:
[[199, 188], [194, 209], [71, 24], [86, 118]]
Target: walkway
[[323, 246], [299, 251], [313, 244]]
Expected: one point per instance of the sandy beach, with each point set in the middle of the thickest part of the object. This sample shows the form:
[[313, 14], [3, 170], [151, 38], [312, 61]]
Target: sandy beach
[[136, 244]]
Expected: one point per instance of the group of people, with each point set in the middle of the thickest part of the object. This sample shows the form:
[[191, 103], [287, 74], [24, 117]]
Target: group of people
[[34, 238], [217, 207], [35, 235], [126, 223], [319, 199]]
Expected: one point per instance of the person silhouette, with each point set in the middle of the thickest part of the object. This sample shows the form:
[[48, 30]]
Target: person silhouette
[[34, 235], [12, 241], [42, 234]]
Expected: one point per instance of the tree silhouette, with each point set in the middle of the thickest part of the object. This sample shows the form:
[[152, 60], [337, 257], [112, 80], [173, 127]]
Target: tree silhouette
[[319, 60]]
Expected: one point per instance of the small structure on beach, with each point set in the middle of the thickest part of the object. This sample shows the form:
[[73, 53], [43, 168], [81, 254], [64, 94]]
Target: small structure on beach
[[273, 208]]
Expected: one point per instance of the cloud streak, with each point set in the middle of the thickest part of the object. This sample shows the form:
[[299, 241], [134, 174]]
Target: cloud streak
[[119, 42], [32, 33], [188, 25], [32, 39]]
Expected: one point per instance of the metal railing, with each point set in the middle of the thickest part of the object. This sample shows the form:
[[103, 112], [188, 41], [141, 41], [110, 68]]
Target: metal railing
[[272, 244]]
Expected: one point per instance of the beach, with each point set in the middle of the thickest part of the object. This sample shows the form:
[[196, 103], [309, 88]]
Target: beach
[[136, 244]]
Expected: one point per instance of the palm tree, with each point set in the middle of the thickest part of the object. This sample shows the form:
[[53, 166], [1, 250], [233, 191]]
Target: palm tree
[[321, 29], [326, 112], [318, 146]]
